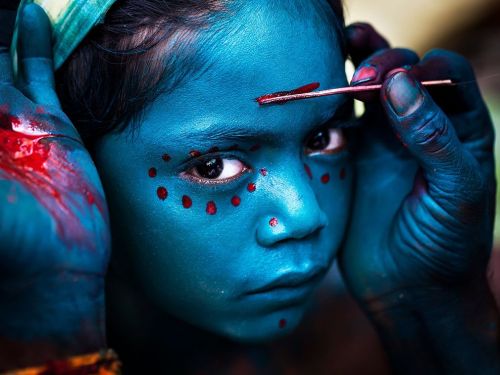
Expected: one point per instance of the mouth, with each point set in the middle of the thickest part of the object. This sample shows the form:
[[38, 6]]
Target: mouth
[[291, 284]]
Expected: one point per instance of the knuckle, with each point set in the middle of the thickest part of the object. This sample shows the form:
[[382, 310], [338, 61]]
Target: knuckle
[[433, 132]]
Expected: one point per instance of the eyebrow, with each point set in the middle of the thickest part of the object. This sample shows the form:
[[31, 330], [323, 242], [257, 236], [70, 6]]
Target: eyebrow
[[219, 132]]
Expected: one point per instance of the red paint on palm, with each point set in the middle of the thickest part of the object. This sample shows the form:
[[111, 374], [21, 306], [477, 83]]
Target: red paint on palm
[[41, 166], [301, 90]]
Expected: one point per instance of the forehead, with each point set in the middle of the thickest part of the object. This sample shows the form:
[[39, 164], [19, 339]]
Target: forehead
[[263, 46]]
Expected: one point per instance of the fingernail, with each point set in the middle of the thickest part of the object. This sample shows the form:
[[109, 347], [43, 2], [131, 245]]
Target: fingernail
[[403, 94], [364, 74]]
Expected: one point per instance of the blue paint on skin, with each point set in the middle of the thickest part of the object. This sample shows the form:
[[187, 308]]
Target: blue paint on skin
[[207, 269]]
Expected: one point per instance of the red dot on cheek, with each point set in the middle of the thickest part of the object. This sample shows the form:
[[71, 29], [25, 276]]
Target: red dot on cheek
[[282, 323], [273, 222], [166, 157], [186, 201], [152, 172], [162, 193], [236, 201], [343, 174], [251, 187], [325, 178], [308, 171], [211, 208]]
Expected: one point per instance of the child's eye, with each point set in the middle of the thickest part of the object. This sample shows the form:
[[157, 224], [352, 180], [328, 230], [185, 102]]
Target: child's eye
[[216, 169], [325, 141]]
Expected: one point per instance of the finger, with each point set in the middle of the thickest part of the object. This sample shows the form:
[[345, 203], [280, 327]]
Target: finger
[[36, 68], [449, 169], [6, 76], [462, 103], [362, 41], [374, 69]]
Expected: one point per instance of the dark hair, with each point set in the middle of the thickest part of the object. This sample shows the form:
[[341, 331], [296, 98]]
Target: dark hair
[[120, 66]]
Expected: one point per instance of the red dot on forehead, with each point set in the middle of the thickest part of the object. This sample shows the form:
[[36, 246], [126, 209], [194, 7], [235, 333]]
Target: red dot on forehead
[[236, 201], [282, 323], [166, 157], [325, 178], [162, 193], [211, 208], [273, 222], [186, 201], [251, 187], [152, 172]]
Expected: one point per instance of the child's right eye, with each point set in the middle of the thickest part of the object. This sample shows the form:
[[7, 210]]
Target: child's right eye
[[325, 142], [216, 170]]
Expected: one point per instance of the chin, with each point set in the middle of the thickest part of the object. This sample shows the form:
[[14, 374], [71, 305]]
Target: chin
[[264, 329]]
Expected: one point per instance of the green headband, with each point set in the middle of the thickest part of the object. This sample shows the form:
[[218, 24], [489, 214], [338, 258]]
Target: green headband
[[71, 21]]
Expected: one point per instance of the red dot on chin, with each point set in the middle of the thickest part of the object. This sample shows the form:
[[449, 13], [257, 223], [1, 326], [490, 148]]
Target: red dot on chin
[[152, 172], [325, 178], [251, 187]]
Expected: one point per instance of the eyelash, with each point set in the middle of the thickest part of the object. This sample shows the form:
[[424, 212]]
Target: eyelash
[[199, 161]]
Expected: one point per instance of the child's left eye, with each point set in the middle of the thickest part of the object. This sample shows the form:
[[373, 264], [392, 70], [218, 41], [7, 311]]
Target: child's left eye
[[325, 141], [216, 170]]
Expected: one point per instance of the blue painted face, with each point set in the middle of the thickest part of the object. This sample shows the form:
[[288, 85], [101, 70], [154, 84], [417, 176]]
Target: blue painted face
[[231, 213]]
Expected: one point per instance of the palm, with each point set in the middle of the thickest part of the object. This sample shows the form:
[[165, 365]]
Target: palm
[[53, 214], [420, 221]]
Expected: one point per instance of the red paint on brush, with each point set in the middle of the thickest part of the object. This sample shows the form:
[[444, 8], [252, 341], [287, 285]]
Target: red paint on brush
[[325, 178], [186, 201], [301, 90], [211, 208], [166, 157], [273, 222], [152, 172], [251, 187], [40, 164], [236, 201], [282, 323], [308, 171], [162, 193], [263, 172], [342, 174], [194, 153]]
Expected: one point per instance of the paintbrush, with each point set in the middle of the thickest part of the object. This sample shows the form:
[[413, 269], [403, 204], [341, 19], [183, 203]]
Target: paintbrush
[[306, 92]]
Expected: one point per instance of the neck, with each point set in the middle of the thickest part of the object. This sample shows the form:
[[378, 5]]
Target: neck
[[147, 338]]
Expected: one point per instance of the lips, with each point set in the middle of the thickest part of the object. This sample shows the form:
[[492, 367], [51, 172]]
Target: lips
[[291, 280]]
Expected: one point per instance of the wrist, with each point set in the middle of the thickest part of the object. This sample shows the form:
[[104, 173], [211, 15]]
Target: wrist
[[51, 317], [441, 329]]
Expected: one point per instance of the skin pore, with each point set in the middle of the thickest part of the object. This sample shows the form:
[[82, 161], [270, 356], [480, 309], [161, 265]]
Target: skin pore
[[226, 214]]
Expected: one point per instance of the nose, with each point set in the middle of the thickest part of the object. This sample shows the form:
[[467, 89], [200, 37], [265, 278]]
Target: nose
[[294, 212]]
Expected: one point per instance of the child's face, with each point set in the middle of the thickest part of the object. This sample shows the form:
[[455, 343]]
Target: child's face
[[231, 213]]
